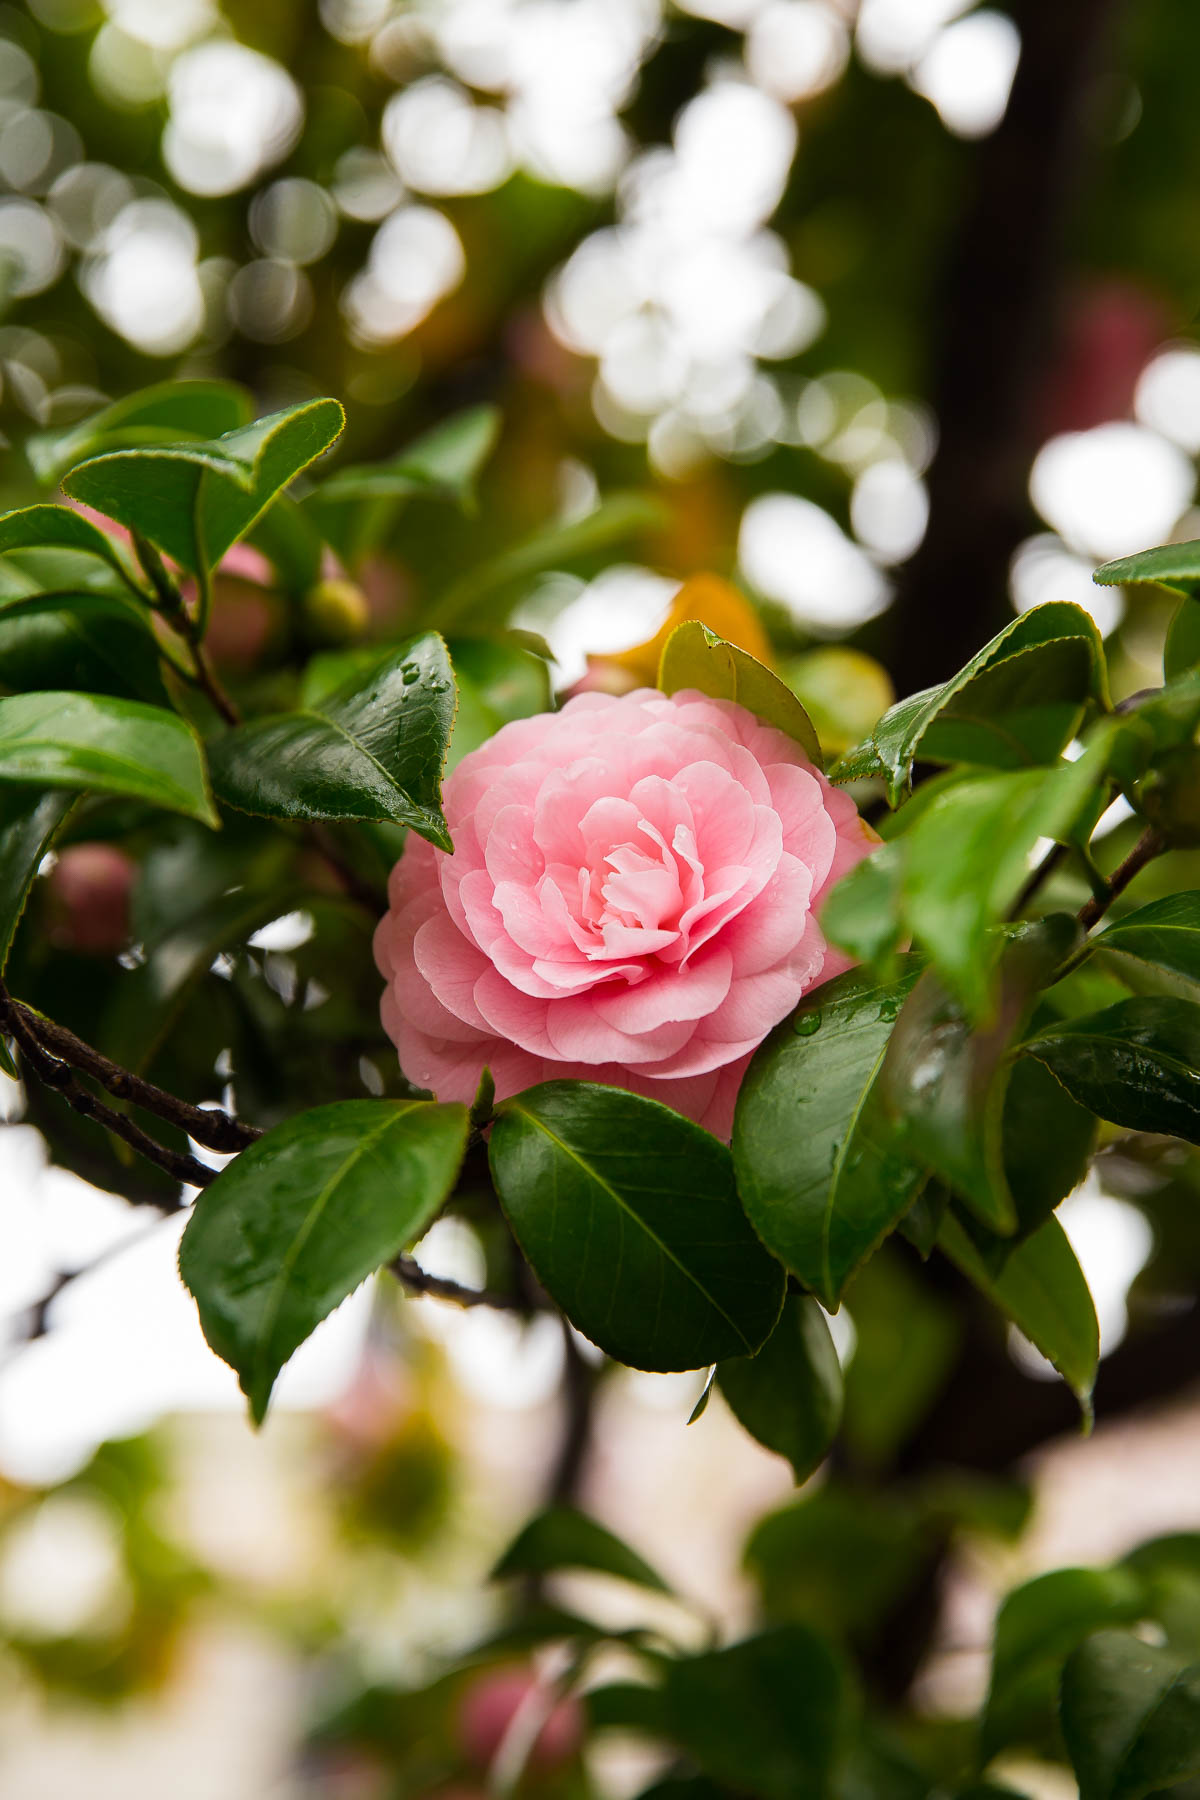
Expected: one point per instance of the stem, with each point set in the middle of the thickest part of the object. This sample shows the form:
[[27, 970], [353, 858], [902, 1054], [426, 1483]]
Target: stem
[[208, 1125], [419, 1281], [191, 626], [579, 1389], [1149, 845], [57, 1075]]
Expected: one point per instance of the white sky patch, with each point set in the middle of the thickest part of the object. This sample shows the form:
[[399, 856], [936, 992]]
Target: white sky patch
[[793, 552], [233, 113], [1112, 490], [967, 72], [1043, 569], [1168, 396]]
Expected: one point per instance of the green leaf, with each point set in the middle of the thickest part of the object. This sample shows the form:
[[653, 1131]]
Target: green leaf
[[841, 1557], [373, 749], [695, 657], [1037, 1627], [618, 518], [1169, 565], [1181, 650], [114, 746], [1136, 1063], [294, 1224], [444, 462], [628, 1214], [767, 1715], [60, 528], [29, 818], [946, 1083], [562, 1538], [819, 1169], [290, 542], [196, 500], [906, 1340], [1017, 703], [789, 1396], [1042, 1289], [1130, 1717], [1165, 935], [861, 912], [88, 643], [160, 414], [497, 682], [967, 858]]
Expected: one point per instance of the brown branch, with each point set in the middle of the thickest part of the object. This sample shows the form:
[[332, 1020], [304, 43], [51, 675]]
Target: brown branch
[[57, 1075], [207, 1125], [1148, 846], [579, 1392], [438, 1287]]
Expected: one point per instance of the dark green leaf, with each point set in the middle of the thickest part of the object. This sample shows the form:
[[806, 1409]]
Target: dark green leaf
[[115, 746], [161, 414], [297, 1221], [967, 857], [945, 1083], [1017, 703], [1037, 1627], [290, 542], [841, 1558], [1170, 565], [374, 749], [1165, 935], [1136, 1063], [695, 657], [766, 1715], [818, 1167], [629, 1216], [627, 1706], [59, 528], [195, 500], [1130, 1717], [444, 462], [906, 1341], [1048, 1143], [29, 818], [562, 1538], [1042, 1289], [789, 1396], [88, 643], [1181, 651]]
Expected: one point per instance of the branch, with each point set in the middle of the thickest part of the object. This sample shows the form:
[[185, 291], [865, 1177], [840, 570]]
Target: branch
[[57, 1075], [1148, 846], [208, 1125], [190, 626], [419, 1281]]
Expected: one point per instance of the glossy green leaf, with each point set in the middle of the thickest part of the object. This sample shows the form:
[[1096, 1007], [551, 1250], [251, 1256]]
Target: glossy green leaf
[[628, 1214], [562, 1538], [1037, 1627], [946, 1083], [618, 519], [445, 462], [967, 858], [789, 1396], [115, 746], [1163, 936], [766, 1715], [294, 1224], [88, 643], [1130, 1717], [1136, 1063], [60, 528], [1181, 650], [695, 657], [1168, 565], [1017, 703], [29, 818], [168, 411], [373, 749], [195, 500], [819, 1168], [1042, 1289]]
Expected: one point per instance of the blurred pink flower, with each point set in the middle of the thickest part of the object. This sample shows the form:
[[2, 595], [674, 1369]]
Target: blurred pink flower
[[632, 900]]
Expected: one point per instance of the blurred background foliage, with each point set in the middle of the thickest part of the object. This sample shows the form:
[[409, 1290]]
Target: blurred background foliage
[[883, 312]]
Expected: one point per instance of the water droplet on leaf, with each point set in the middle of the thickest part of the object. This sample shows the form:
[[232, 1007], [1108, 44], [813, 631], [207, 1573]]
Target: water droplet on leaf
[[805, 1023]]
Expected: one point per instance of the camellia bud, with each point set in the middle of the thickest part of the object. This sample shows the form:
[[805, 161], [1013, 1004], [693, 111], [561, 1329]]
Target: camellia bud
[[490, 1705], [336, 611], [89, 888]]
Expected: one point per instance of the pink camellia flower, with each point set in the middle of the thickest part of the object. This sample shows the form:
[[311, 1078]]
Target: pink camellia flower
[[632, 900]]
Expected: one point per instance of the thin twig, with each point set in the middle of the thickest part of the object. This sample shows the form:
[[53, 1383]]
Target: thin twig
[[579, 1392], [189, 625], [207, 1125], [419, 1281], [57, 1075], [1149, 845]]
